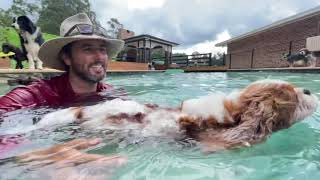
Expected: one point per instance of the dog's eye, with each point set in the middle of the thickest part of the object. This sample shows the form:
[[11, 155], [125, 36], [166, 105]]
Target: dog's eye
[[306, 91]]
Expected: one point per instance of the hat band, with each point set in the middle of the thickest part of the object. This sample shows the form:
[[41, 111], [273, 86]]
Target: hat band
[[86, 29]]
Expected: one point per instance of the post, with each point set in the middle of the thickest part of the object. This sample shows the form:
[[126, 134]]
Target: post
[[166, 63], [150, 56], [210, 59], [230, 61], [187, 61], [144, 51], [290, 47], [252, 54]]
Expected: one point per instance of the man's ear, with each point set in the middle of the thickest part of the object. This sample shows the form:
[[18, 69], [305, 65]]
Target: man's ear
[[66, 59]]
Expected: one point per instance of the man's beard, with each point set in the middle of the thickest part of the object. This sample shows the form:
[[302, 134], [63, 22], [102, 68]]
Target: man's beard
[[85, 75]]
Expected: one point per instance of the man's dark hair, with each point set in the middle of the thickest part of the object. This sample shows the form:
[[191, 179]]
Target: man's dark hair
[[66, 50]]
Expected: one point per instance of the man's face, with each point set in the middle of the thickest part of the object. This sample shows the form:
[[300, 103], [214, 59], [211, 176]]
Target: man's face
[[88, 60]]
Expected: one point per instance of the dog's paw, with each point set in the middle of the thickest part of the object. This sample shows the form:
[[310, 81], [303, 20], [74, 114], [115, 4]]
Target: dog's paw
[[39, 66]]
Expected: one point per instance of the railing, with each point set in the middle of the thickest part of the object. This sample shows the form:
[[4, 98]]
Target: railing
[[193, 60]]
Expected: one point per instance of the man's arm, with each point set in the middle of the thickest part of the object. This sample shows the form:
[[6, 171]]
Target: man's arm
[[18, 98]]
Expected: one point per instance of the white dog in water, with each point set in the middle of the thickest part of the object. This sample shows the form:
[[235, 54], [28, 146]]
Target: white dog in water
[[239, 119]]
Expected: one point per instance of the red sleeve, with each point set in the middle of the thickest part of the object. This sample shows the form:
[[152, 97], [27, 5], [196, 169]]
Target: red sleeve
[[18, 98]]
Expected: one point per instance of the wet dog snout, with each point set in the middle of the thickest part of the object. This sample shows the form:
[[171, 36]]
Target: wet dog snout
[[306, 91]]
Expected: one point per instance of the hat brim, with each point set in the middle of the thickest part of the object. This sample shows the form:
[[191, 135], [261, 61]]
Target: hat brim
[[49, 50]]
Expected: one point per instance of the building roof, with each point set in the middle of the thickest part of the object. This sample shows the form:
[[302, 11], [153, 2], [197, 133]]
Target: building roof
[[153, 38], [289, 20]]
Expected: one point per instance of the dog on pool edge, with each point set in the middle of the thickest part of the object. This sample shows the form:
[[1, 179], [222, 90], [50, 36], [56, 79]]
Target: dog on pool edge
[[30, 38], [18, 56], [302, 58]]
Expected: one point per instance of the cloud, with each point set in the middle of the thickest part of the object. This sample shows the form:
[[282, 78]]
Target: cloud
[[195, 22], [207, 46], [5, 4], [144, 4]]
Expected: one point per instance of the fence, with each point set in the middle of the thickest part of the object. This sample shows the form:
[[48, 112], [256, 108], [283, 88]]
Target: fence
[[193, 60]]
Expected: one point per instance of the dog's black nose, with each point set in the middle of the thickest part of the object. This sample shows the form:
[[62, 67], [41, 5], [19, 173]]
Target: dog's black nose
[[306, 91]]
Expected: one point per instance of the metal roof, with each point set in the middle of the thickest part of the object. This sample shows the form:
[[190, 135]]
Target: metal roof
[[153, 38], [289, 20]]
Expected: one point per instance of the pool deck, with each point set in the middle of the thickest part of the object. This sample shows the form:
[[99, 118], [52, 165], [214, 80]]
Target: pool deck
[[4, 72], [224, 69], [16, 75], [47, 70]]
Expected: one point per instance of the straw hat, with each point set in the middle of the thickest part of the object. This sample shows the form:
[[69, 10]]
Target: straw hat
[[49, 51]]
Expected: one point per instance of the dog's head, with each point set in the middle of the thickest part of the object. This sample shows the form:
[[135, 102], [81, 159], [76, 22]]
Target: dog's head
[[23, 23], [6, 48], [304, 51], [275, 104]]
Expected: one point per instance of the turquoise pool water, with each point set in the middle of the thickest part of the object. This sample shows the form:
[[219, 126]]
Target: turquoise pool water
[[289, 154]]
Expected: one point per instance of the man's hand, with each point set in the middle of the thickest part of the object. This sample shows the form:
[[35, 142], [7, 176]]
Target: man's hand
[[66, 160]]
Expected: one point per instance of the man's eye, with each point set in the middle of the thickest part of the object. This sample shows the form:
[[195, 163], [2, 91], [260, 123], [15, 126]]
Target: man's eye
[[103, 50], [87, 49]]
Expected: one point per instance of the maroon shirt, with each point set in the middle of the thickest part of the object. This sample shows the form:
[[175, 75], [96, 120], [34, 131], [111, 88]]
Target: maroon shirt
[[54, 92]]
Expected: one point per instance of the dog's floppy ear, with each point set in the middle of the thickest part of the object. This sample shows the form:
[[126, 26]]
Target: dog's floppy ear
[[259, 116], [263, 111], [26, 23]]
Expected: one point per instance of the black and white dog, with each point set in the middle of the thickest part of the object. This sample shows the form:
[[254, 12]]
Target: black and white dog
[[31, 39], [18, 56], [302, 58]]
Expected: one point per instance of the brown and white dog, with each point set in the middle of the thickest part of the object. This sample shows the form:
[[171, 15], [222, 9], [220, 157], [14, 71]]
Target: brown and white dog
[[219, 121]]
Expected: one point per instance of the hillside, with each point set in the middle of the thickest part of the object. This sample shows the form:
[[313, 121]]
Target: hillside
[[10, 35]]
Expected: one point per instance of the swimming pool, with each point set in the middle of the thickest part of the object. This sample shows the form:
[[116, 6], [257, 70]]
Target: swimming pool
[[290, 154]]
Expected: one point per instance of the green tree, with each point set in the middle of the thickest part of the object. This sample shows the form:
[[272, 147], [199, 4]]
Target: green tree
[[5, 18], [24, 7], [18, 8], [52, 13], [114, 27]]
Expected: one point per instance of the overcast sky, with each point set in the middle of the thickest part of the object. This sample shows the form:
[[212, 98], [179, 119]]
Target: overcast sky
[[195, 24]]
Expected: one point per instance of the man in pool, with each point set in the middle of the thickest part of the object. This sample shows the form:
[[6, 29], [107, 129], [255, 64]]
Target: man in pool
[[82, 51]]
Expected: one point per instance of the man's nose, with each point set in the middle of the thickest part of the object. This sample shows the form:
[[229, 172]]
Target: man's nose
[[100, 55]]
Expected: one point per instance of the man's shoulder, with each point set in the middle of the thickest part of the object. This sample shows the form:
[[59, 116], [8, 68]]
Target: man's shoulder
[[46, 84]]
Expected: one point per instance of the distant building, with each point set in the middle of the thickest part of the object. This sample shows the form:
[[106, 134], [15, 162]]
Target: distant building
[[140, 49], [263, 47]]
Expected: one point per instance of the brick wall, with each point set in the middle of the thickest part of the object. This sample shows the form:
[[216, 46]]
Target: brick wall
[[269, 46]]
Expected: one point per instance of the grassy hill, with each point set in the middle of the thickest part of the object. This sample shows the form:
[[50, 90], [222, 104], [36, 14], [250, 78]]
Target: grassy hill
[[9, 35]]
